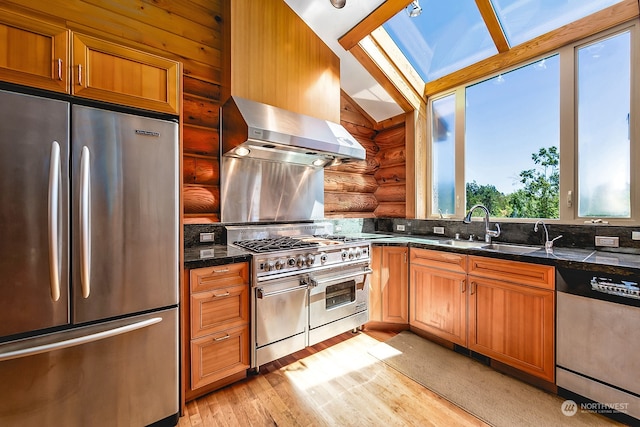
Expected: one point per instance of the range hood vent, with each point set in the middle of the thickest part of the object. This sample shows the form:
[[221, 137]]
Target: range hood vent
[[254, 130]]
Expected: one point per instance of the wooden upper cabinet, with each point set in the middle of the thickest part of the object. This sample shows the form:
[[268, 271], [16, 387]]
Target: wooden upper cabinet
[[33, 53], [120, 75]]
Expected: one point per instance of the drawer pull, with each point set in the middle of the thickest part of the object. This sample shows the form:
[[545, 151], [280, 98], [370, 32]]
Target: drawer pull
[[222, 270], [473, 287], [226, 337], [226, 294], [462, 287]]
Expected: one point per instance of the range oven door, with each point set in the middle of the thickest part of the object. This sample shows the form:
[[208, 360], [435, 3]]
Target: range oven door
[[338, 301], [280, 314]]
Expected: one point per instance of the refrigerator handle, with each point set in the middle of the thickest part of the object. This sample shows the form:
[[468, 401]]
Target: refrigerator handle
[[45, 348], [85, 222], [55, 176]]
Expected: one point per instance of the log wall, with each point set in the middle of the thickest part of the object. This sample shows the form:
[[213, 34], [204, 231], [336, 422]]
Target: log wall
[[391, 193]]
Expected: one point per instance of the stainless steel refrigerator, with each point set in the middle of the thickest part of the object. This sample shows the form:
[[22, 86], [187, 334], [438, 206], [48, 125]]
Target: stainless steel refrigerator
[[88, 265]]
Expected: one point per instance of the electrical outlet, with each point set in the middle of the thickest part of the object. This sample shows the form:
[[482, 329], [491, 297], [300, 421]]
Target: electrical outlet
[[612, 242], [438, 230], [399, 227], [207, 237], [635, 235]]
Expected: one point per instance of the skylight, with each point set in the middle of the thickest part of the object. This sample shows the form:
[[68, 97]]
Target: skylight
[[523, 20], [447, 36], [451, 35]]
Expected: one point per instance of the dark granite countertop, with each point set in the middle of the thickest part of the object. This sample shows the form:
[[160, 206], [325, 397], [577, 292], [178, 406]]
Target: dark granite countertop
[[211, 255], [573, 258]]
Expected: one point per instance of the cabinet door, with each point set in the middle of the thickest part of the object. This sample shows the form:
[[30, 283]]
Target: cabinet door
[[375, 286], [394, 285], [219, 355], [438, 303], [34, 53], [514, 324], [112, 73]]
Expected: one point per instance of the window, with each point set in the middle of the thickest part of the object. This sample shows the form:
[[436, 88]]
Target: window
[[604, 180], [512, 138], [443, 155], [508, 132]]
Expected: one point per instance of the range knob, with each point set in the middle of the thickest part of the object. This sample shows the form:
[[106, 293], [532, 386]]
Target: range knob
[[358, 252], [300, 260], [310, 259], [280, 264], [352, 253], [323, 258], [344, 254], [270, 266], [291, 262]]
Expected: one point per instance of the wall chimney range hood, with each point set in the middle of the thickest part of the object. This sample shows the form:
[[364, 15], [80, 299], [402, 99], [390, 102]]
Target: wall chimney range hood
[[254, 130]]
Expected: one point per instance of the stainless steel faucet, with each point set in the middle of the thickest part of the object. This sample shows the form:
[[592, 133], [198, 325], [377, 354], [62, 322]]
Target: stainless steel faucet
[[488, 233], [548, 244]]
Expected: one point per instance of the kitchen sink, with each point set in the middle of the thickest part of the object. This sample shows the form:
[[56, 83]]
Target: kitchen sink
[[462, 243], [511, 249]]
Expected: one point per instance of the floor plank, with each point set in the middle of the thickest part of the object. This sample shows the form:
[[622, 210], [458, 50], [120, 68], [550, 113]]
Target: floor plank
[[334, 383]]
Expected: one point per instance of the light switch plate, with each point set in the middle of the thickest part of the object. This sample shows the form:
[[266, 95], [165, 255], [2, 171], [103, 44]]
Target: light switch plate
[[612, 242], [400, 227], [207, 237]]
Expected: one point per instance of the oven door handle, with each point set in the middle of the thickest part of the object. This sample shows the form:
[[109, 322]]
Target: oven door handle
[[315, 282], [260, 293]]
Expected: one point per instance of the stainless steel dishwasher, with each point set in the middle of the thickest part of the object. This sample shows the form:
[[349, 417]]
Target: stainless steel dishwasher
[[598, 342]]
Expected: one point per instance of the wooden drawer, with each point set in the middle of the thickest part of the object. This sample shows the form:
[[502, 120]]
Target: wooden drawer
[[219, 355], [221, 308], [439, 259], [219, 277], [537, 275]]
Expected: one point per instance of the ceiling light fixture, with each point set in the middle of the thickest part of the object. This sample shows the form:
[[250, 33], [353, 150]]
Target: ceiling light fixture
[[338, 4], [414, 9]]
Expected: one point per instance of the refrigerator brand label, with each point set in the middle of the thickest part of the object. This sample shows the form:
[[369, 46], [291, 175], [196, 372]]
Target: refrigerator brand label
[[147, 133]]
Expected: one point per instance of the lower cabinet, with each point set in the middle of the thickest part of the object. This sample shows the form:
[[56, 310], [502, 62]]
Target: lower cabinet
[[438, 294], [389, 294], [502, 309], [217, 322], [512, 314]]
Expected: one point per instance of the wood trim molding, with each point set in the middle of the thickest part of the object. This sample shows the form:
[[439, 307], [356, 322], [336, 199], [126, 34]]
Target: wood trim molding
[[381, 77], [376, 18], [607, 18], [493, 25]]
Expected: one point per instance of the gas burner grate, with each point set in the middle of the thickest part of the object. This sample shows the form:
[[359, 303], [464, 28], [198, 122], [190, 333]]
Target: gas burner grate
[[274, 244]]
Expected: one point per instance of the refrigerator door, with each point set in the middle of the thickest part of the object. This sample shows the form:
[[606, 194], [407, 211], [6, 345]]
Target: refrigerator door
[[34, 157], [125, 213], [118, 373]]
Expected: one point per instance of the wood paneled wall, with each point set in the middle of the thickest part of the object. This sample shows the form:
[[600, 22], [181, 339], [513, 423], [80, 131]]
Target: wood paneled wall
[[277, 59], [196, 33]]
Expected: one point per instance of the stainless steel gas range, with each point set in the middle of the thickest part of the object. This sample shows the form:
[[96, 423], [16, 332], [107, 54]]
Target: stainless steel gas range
[[308, 285]]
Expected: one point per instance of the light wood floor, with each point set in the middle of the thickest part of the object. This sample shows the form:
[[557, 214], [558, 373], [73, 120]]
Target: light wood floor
[[334, 383]]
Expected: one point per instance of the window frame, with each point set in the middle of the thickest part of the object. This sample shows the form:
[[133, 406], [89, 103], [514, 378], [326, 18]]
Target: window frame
[[568, 209]]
